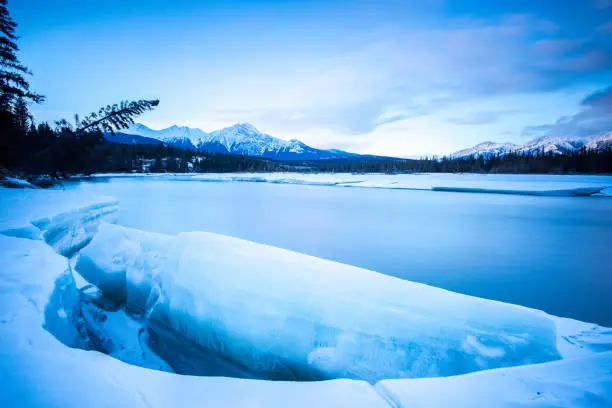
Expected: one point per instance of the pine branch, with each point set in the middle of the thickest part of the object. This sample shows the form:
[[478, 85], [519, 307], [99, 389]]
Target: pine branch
[[116, 117], [16, 79]]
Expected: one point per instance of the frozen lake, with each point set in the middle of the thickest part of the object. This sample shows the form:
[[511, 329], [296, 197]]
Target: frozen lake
[[549, 253]]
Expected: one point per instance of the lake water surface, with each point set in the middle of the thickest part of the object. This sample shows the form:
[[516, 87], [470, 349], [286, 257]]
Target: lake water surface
[[550, 253]]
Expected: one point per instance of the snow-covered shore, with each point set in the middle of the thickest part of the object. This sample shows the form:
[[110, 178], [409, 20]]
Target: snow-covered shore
[[522, 184], [43, 312]]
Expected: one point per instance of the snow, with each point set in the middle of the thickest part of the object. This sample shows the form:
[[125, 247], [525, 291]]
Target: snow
[[579, 339], [13, 182], [289, 315], [65, 220], [581, 382], [32, 276], [564, 185], [56, 329]]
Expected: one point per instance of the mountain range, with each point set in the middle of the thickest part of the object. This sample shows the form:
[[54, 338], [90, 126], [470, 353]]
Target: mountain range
[[554, 145], [245, 139], [240, 139]]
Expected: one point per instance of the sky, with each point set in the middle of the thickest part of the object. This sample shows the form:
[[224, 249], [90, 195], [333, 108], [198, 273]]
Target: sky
[[391, 77]]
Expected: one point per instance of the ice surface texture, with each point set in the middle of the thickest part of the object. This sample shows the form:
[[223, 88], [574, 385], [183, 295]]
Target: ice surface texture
[[293, 316]]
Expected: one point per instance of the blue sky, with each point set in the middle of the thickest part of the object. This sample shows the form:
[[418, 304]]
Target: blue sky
[[402, 78]]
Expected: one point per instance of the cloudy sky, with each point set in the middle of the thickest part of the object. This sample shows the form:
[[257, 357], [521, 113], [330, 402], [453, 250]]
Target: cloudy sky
[[401, 78]]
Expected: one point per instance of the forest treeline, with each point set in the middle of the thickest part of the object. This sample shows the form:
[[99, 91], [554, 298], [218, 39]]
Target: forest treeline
[[109, 157], [582, 161], [117, 157]]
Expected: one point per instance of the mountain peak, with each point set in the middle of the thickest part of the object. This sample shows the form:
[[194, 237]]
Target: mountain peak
[[246, 127], [487, 148], [139, 126]]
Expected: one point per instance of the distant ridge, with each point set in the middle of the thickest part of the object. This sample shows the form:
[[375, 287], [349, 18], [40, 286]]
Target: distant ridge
[[546, 145]]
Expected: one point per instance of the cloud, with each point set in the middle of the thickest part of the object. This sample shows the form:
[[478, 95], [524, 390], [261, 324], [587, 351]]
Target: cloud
[[593, 119], [479, 118], [387, 73], [390, 117], [436, 78], [422, 70], [601, 98], [602, 4], [605, 28], [557, 45], [536, 131]]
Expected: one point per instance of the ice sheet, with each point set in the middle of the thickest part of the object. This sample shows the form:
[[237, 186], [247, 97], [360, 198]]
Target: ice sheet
[[567, 185], [578, 192]]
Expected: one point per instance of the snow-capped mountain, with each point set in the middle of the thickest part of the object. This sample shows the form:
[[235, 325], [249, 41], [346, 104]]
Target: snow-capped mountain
[[604, 142], [554, 145], [485, 149], [242, 139], [177, 136]]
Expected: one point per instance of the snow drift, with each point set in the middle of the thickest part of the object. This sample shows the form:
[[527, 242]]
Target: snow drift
[[583, 382]]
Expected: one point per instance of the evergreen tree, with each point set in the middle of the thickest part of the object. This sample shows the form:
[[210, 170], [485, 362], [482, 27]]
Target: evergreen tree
[[158, 165], [23, 118], [13, 84]]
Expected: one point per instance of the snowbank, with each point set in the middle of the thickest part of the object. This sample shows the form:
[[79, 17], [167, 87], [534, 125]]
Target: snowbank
[[291, 316], [583, 382], [13, 182]]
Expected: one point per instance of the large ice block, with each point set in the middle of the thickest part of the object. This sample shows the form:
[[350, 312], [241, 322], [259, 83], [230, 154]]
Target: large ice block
[[291, 316]]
